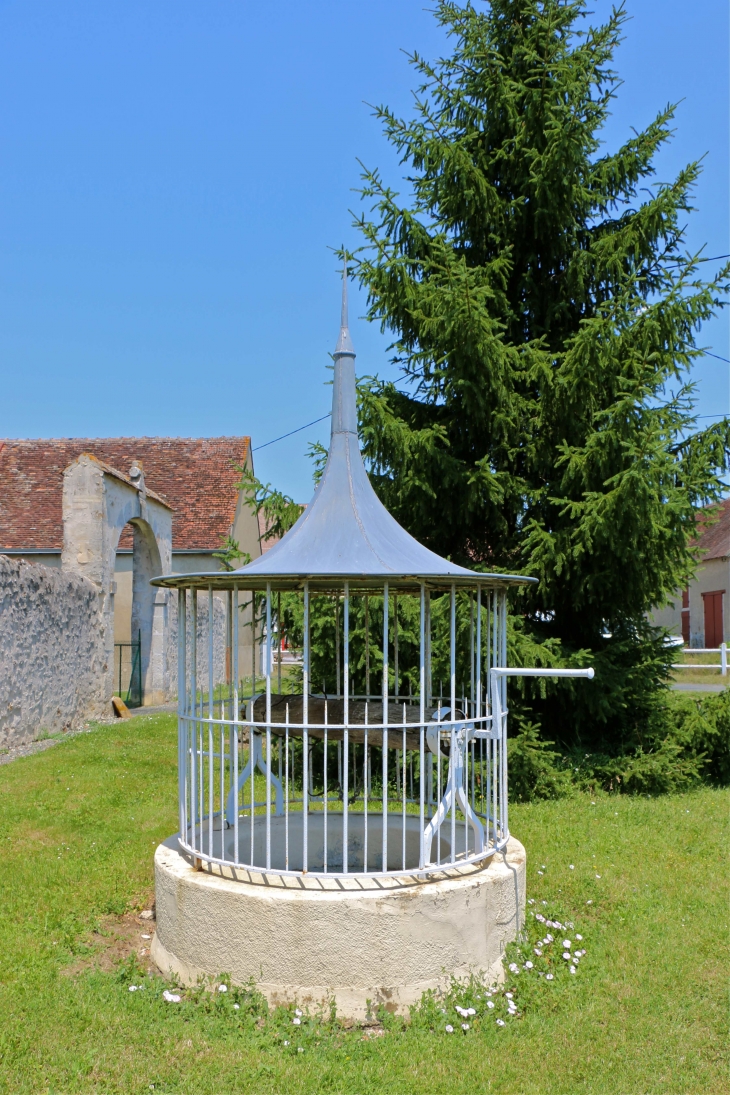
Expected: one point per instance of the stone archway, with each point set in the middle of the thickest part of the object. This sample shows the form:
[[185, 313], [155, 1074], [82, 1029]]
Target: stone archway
[[98, 501]]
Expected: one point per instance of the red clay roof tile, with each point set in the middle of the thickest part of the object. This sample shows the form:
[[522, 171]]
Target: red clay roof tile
[[195, 475]]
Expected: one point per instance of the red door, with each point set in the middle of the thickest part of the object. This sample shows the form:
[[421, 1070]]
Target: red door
[[713, 617]]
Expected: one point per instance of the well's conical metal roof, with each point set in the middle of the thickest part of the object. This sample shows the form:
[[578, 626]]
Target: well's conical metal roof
[[346, 531]]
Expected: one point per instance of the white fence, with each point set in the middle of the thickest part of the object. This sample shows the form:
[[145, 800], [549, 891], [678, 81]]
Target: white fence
[[721, 650]]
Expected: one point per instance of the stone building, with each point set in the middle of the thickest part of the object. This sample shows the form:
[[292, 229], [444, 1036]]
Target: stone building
[[700, 614], [118, 511]]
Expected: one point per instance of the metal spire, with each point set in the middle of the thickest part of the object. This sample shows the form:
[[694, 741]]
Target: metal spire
[[344, 401], [344, 342]]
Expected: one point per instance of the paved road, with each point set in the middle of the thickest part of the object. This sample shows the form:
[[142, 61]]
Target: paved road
[[698, 687]]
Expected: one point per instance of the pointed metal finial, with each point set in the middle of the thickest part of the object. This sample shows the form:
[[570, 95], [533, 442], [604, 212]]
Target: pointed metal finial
[[344, 342], [343, 320]]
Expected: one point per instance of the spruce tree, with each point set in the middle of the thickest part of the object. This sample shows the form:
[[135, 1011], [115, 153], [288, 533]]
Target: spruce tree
[[545, 313]]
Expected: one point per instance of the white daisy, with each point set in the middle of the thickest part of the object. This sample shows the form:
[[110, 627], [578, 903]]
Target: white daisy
[[500, 1022], [528, 965], [549, 977], [464, 1026], [490, 1003], [449, 1029], [223, 988]]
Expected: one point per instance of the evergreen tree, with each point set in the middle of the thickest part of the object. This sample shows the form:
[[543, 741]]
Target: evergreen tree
[[545, 313]]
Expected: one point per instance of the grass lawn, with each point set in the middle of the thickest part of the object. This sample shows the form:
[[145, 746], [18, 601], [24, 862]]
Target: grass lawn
[[646, 1012]]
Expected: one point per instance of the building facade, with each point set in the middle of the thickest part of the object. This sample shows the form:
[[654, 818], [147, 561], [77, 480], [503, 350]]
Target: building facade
[[700, 614]]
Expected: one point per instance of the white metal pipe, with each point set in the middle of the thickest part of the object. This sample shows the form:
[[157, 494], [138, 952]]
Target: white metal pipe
[[345, 736], [305, 734], [268, 727], [384, 811]]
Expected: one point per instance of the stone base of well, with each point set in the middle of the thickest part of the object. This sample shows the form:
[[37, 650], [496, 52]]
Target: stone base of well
[[362, 942]]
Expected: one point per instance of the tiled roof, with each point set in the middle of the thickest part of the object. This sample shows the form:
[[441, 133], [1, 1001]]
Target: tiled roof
[[715, 540], [195, 475]]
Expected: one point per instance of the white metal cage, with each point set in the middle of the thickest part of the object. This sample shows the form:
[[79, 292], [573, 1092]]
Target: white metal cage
[[357, 781]]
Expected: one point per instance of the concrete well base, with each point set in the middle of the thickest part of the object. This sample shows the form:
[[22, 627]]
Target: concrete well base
[[363, 942]]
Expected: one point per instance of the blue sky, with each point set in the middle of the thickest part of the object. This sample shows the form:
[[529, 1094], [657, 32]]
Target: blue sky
[[175, 173]]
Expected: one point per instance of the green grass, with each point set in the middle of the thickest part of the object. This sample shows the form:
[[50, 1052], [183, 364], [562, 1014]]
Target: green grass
[[646, 1012]]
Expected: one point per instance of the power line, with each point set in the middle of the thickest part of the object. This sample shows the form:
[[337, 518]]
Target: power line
[[707, 353], [292, 432]]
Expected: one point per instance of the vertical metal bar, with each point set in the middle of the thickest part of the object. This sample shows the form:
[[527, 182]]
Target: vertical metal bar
[[422, 719], [211, 715], [278, 671], [723, 659], [253, 642], [403, 781], [385, 727], [471, 653], [181, 722], [286, 793], [236, 714], [346, 732], [337, 646], [268, 726], [367, 780], [325, 803], [452, 736], [395, 646], [192, 725], [305, 731], [367, 647], [503, 682]]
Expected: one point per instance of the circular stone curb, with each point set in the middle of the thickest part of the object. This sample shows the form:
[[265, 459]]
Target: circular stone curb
[[361, 942]]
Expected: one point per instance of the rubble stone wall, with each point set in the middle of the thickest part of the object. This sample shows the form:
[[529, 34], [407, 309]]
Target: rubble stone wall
[[53, 665]]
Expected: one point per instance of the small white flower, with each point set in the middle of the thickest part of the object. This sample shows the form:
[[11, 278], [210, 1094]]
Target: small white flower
[[528, 965], [531, 901], [540, 917], [471, 1011], [589, 902], [500, 1022], [286, 1043], [236, 1007], [464, 1026], [572, 867], [543, 866], [549, 977], [146, 936], [544, 902], [461, 1011], [566, 944], [449, 1029], [509, 995], [578, 937], [566, 955], [539, 872], [132, 988], [171, 997], [223, 988], [572, 969], [549, 937], [299, 1049], [512, 1011], [514, 968], [490, 1003], [538, 952], [298, 1012], [296, 1021]]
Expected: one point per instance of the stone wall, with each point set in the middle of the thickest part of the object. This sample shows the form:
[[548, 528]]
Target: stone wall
[[219, 640], [53, 670]]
